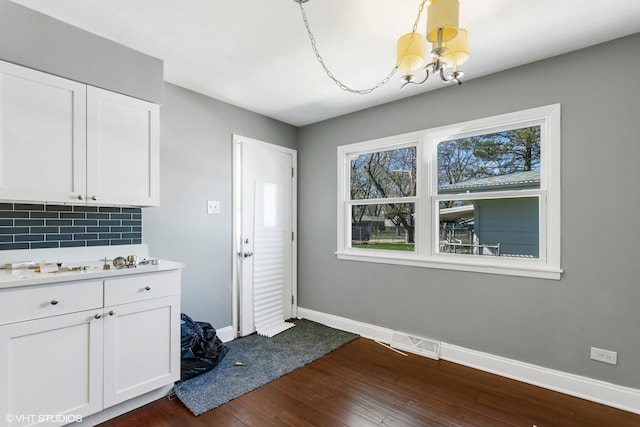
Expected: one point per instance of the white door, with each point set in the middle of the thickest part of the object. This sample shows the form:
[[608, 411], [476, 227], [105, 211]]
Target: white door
[[264, 241]]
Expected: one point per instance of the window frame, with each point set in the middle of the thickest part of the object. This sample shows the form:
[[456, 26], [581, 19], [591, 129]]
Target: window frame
[[425, 254]]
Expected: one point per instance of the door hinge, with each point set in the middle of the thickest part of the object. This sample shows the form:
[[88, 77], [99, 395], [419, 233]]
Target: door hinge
[[292, 236], [292, 173], [291, 299]]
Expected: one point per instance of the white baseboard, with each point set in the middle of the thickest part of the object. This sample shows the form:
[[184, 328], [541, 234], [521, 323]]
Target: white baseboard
[[620, 397], [226, 334], [124, 407]]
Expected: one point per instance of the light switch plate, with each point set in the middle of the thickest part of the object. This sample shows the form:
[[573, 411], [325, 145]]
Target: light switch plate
[[213, 207]]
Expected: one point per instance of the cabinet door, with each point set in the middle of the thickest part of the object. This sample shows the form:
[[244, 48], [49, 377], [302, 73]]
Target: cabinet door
[[122, 149], [141, 348], [42, 137], [51, 367]]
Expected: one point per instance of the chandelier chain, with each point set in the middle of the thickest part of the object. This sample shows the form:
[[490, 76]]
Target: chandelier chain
[[340, 84], [414, 29], [420, 9]]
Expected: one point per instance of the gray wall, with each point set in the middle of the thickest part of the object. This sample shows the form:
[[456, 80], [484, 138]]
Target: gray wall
[[195, 166], [544, 322], [37, 41]]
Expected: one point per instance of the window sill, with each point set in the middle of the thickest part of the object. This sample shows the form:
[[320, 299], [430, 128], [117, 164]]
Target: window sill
[[506, 267]]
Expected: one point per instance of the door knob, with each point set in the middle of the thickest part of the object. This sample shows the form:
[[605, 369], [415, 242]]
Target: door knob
[[247, 254]]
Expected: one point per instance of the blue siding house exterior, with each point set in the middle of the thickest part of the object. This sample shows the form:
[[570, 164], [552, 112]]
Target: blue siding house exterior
[[505, 227]]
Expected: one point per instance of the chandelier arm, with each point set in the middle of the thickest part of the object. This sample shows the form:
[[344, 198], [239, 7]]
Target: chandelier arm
[[426, 77], [326, 69], [450, 78], [406, 82], [427, 72]]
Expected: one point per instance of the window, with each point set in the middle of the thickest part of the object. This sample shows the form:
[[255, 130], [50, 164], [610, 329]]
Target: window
[[476, 196], [382, 199], [504, 164]]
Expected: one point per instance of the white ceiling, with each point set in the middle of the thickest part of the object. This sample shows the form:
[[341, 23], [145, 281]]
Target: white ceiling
[[256, 54]]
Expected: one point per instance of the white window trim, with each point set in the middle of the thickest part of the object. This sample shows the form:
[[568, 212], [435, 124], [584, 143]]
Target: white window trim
[[547, 266]]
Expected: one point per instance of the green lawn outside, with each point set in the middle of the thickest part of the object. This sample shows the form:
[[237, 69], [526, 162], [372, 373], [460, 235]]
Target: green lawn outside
[[386, 246]]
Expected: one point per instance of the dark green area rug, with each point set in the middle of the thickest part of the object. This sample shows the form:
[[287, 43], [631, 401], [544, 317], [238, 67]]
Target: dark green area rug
[[264, 359]]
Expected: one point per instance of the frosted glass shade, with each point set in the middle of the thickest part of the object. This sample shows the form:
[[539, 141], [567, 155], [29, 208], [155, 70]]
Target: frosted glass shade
[[410, 52], [443, 14], [457, 51]]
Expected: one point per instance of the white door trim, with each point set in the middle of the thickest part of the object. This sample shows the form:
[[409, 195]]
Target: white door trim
[[238, 140]]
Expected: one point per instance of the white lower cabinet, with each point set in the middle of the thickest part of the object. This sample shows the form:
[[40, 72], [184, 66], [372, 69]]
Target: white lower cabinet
[[63, 363], [50, 367], [139, 354]]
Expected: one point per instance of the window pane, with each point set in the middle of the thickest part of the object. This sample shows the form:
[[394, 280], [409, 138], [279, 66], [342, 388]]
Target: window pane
[[508, 160], [384, 174], [383, 226], [495, 227]]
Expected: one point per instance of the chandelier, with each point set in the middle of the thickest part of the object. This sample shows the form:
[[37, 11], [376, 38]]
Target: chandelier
[[448, 43]]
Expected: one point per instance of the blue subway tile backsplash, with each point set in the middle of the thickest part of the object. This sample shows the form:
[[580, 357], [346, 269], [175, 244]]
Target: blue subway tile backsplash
[[36, 226]]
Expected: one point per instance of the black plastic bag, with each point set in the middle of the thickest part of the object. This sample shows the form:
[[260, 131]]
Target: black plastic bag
[[201, 349]]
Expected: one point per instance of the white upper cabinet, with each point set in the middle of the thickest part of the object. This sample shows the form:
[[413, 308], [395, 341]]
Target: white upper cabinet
[[43, 136], [66, 142], [122, 149]]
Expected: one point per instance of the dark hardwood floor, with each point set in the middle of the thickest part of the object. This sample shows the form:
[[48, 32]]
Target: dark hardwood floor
[[365, 384]]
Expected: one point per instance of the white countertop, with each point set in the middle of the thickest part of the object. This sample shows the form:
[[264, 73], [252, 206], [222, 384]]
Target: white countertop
[[67, 255], [27, 277]]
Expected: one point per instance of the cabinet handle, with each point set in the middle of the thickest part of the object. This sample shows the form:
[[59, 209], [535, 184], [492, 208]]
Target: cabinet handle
[[111, 313], [94, 198], [54, 301], [147, 288], [79, 197], [97, 316]]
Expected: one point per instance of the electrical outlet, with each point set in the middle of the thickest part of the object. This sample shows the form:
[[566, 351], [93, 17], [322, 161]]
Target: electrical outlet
[[606, 356]]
